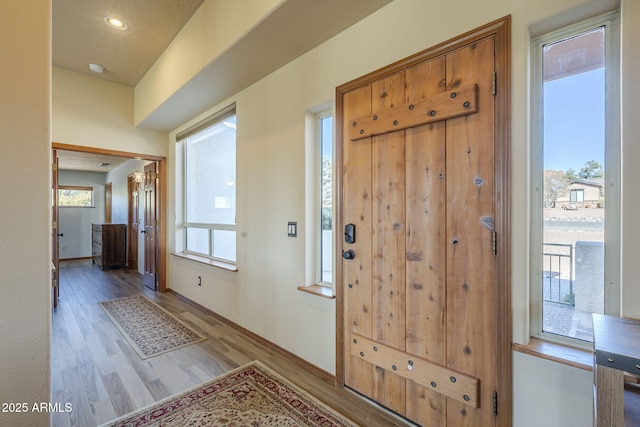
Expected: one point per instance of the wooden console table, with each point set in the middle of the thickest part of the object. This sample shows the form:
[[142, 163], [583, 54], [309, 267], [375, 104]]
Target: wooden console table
[[616, 344]]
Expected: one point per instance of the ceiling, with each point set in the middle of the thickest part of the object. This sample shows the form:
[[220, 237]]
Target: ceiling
[[81, 37], [87, 162], [286, 33]]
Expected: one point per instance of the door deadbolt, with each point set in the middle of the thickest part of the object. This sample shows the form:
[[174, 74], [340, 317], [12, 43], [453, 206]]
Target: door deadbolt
[[350, 233]]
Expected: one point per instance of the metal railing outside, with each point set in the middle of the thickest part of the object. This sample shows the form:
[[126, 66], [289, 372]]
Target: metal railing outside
[[558, 274]]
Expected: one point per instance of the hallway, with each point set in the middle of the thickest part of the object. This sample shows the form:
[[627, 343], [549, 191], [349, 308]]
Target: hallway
[[100, 375]]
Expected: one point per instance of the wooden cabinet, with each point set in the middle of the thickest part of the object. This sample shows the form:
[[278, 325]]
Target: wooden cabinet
[[109, 245], [616, 344]]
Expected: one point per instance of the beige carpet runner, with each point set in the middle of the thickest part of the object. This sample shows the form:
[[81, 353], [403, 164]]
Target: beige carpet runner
[[251, 395], [149, 328]]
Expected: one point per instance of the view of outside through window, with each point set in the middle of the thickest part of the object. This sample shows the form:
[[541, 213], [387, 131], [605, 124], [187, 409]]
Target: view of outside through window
[[75, 197], [210, 195], [326, 139], [574, 196]]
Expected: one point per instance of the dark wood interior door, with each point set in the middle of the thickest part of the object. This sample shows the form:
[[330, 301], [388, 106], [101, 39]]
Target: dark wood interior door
[[108, 195], [421, 315], [133, 222], [55, 234], [150, 226]]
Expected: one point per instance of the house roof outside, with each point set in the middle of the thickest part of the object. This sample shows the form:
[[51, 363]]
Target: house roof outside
[[594, 182]]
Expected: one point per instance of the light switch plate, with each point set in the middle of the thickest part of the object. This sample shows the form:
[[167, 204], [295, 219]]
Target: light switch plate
[[292, 229]]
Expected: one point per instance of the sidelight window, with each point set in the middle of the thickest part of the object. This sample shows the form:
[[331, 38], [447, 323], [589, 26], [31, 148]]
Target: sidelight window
[[325, 126], [319, 219], [575, 244]]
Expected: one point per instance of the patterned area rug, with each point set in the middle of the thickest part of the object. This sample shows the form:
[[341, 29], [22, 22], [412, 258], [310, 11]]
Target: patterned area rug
[[149, 328], [251, 395]]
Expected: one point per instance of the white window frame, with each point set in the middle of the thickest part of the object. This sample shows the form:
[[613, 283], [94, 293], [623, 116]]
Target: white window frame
[[318, 119], [313, 198], [77, 188], [610, 22], [183, 137], [573, 194]]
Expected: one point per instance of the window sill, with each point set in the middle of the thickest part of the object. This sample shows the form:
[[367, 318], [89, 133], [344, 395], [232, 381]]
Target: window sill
[[570, 356], [212, 262], [319, 290]]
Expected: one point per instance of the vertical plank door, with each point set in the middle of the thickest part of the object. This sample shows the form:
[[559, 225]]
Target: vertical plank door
[[421, 320]]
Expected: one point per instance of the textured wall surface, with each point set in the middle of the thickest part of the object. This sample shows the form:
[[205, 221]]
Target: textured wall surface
[[25, 216], [75, 223]]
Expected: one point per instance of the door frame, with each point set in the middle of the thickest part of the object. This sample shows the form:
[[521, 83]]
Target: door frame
[[161, 198], [55, 238], [501, 31]]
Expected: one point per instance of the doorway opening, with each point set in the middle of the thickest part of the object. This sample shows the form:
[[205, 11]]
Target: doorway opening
[[159, 208]]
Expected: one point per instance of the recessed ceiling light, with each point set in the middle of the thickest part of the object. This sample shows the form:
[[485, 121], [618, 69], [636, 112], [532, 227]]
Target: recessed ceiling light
[[96, 68], [116, 23]]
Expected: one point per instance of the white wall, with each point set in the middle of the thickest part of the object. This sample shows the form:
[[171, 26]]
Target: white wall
[[118, 177], [120, 201], [261, 296], [211, 31], [550, 394], [631, 149], [90, 112], [75, 223], [25, 216]]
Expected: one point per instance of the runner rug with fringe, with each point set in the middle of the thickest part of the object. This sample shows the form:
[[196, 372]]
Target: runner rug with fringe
[[150, 329], [252, 395]]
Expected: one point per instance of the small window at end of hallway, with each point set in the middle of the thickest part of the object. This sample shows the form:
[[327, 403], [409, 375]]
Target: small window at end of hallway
[[575, 179], [75, 197]]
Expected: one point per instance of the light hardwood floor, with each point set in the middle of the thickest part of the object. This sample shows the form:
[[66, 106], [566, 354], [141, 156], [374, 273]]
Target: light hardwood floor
[[95, 369]]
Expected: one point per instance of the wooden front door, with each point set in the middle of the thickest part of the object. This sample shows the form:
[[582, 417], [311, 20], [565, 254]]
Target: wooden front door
[[421, 186], [150, 226], [133, 222]]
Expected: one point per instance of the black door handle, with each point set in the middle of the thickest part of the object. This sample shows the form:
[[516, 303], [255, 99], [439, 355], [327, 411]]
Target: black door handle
[[143, 231], [61, 235], [350, 254]]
